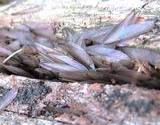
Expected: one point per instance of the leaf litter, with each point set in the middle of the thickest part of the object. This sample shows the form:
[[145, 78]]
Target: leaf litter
[[95, 54]]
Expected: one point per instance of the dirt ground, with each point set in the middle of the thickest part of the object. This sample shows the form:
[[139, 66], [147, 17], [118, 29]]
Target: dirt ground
[[41, 102], [76, 13]]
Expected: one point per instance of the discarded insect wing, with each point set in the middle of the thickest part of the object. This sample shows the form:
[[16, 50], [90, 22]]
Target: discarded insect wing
[[42, 29], [4, 41], [129, 42], [96, 35], [134, 30], [22, 27], [113, 36], [14, 45], [44, 41], [43, 73], [131, 18], [70, 35], [23, 37], [17, 71], [29, 60], [108, 54], [144, 54], [30, 50], [5, 51], [68, 60], [55, 68], [100, 61], [7, 98], [46, 50], [80, 54]]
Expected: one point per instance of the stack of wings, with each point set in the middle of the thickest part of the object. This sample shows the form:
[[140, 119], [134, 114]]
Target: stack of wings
[[94, 54]]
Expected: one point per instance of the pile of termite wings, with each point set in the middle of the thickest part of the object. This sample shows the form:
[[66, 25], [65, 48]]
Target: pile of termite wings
[[99, 54]]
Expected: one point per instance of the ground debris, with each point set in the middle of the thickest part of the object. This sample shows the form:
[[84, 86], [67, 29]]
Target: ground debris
[[98, 78], [85, 103]]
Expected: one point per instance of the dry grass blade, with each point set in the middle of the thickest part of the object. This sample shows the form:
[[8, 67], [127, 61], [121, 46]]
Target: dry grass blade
[[103, 61], [13, 54]]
